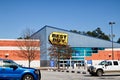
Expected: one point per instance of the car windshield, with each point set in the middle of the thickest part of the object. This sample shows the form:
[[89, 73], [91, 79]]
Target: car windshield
[[103, 63], [16, 63], [9, 62]]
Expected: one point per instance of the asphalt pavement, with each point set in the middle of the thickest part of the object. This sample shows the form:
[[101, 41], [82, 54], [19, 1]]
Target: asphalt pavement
[[64, 75]]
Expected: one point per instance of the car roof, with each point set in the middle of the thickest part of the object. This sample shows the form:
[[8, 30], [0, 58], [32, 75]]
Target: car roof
[[5, 59]]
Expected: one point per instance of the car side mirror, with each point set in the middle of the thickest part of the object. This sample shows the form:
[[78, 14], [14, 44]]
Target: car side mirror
[[106, 64], [13, 66]]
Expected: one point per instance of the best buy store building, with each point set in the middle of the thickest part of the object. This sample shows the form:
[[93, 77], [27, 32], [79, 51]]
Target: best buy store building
[[83, 46]]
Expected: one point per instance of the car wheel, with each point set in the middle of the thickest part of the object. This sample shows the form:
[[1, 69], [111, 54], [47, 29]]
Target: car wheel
[[99, 73], [27, 77]]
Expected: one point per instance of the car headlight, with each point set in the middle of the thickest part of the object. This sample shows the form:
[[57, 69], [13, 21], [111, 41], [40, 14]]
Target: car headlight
[[37, 72], [92, 68]]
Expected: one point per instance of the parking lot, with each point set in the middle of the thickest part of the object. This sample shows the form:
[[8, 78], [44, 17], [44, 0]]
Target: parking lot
[[55, 75]]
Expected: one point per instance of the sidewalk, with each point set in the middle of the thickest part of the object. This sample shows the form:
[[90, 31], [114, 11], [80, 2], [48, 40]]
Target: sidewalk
[[78, 70], [82, 70]]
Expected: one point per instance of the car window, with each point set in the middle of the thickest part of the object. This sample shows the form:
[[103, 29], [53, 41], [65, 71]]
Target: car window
[[109, 63], [7, 63], [103, 63], [115, 63]]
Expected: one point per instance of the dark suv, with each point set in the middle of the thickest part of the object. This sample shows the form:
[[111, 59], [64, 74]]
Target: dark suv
[[9, 70]]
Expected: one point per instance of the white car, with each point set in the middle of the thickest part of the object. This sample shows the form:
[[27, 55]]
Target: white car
[[105, 67]]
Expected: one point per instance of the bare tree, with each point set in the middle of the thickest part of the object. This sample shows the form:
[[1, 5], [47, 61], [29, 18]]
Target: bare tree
[[29, 48], [60, 52]]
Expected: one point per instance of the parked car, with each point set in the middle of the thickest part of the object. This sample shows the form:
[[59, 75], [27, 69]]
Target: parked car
[[9, 70], [104, 67]]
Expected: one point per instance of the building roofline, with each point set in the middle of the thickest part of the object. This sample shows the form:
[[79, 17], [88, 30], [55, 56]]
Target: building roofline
[[67, 31], [48, 27]]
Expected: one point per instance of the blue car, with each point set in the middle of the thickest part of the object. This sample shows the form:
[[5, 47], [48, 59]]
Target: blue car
[[9, 70]]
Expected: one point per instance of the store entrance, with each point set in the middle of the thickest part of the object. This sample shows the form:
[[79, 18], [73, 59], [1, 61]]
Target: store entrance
[[72, 63]]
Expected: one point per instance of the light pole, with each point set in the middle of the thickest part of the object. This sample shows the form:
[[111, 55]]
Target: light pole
[[111, 24]]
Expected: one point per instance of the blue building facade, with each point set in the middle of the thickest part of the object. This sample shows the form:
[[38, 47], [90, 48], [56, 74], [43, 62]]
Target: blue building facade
[[81, 44]]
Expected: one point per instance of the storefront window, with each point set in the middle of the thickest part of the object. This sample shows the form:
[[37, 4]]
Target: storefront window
[[79, 55], [82, 52]]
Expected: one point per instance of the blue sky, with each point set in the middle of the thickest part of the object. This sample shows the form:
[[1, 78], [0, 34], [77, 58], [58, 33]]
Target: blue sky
[[81, 15]]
